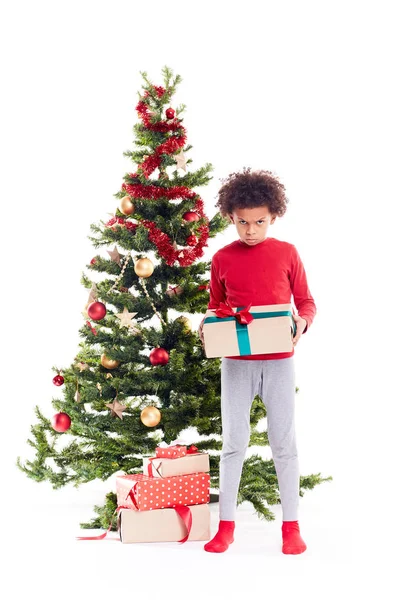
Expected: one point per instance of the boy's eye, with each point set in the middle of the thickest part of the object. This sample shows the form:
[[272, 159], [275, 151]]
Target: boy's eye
[[243, 222]]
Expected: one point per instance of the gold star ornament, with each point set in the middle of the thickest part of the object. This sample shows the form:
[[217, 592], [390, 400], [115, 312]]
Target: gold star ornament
[[126, 317], [115, 255], [93, 295], [180, 160], [116, 409]]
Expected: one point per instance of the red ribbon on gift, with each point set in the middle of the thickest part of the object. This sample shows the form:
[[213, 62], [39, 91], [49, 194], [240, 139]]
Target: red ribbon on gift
[[184, 513], [103, 535], [150, 466], [131, 495], [243, 316]]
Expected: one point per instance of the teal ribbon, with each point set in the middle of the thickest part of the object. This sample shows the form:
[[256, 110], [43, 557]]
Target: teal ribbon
[[242, 330]]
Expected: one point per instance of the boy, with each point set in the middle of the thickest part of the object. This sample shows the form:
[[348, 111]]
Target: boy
[[259, 270]]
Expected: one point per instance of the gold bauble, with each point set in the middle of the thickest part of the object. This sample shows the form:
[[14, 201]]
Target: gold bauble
[[126, 206], [144, 267], [109, 363], [150, 416], [187, 323]]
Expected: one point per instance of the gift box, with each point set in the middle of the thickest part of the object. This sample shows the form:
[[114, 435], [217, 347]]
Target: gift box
[[142, 492], [170, 467], [170, 451], [163, 525], [230, 331]]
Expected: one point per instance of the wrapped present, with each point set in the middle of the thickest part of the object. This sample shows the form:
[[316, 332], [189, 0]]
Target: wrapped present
[[164, 451], [174, 290], [240, 331], [142, 492], [170, 467], [164, 525]]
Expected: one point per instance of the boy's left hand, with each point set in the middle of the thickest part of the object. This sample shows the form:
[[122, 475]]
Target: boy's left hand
[[301, 324]]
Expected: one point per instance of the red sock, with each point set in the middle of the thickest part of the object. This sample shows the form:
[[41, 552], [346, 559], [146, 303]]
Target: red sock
[[223, 537], [292, 540]]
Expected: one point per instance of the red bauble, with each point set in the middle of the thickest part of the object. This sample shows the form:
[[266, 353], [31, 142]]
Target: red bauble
[[190, 216], [93, 261], [61, 422], [170, 113], [96, 311], [191, 240], [58, 380], [159, 356]]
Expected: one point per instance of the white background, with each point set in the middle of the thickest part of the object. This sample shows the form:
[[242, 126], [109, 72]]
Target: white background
[[305, 89]]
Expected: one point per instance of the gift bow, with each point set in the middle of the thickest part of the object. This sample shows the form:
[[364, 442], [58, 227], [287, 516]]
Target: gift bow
[[174, 443], [190, 449], [244, 317]]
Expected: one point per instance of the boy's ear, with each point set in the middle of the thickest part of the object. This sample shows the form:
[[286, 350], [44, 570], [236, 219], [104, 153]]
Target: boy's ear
[[231, 218]]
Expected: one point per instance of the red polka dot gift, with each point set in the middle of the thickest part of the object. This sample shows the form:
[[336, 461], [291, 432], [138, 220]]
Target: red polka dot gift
[[141, 492], [165, 509], [177, 451]]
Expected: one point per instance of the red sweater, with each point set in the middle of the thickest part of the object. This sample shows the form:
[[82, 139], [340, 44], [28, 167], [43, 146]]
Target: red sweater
[[268, 273]]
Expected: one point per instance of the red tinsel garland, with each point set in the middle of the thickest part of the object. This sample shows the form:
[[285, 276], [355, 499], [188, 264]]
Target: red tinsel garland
[[165, 249], [177, 140], [120, 221], [170, 146], [152, 192], [191, 240]]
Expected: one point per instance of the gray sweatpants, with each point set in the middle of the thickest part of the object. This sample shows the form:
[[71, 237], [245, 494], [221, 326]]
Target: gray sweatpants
[[274, 381]]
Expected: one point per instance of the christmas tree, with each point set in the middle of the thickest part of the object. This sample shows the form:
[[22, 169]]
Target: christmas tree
[[141, 376]]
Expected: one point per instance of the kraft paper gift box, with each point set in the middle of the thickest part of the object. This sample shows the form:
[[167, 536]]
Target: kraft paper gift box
[[267, 329], [163, 525], [142, 492], [170, 467]]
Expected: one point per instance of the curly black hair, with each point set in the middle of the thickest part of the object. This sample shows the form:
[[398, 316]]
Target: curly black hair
[[249, 189]]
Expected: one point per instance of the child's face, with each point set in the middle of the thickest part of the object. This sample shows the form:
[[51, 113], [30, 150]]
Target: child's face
[[252, 223]]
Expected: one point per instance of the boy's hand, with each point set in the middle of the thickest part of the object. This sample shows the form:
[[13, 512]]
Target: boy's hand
[[301, 324], [200, 331]]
